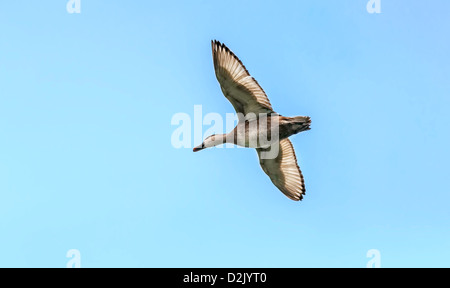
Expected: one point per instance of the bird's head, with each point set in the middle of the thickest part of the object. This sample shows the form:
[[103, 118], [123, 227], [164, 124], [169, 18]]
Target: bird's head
[[210, 141]]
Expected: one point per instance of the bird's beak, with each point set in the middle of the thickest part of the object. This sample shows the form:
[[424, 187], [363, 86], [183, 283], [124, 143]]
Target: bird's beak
[[198, 148]]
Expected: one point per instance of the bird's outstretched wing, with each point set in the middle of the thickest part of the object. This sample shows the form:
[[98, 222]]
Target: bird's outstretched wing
[[238, 86], [284, 171]]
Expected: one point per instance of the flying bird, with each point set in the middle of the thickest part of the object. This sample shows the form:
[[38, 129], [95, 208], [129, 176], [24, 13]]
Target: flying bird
[[257, 120]]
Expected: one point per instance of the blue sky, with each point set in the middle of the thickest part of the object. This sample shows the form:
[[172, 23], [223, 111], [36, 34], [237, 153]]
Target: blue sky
[[86, 160]]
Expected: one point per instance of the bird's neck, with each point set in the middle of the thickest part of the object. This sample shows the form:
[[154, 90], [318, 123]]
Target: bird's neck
[[220, 139]]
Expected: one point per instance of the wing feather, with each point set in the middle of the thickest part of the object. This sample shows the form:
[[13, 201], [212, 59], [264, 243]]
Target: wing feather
[[284, 171], [238, 86]]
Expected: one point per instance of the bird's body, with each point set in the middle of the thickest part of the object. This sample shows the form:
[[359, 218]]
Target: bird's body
[[259, 133], [259, 126]]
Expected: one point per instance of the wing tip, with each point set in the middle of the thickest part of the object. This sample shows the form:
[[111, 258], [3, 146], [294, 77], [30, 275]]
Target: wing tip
[[216, 44], [298, 198]]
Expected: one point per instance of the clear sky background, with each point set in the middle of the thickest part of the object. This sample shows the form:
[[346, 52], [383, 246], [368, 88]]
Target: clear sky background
[[86, 160]]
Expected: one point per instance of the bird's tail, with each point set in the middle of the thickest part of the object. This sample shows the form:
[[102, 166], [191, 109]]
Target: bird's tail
[[299, 123]]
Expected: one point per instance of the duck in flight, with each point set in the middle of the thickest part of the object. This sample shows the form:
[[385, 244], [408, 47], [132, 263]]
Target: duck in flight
[[257, 119]]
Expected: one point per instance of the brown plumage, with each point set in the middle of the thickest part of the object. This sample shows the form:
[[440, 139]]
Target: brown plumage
[[254, 108]]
